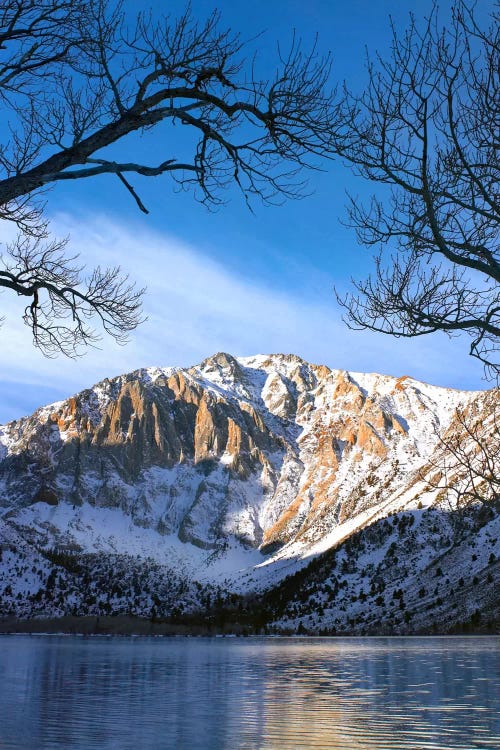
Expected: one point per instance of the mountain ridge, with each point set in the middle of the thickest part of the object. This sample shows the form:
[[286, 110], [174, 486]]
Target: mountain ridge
[[236, 472]]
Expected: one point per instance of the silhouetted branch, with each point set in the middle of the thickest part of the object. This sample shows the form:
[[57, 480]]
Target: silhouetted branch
[[257, 133], [427, 127], [466, 467], [77, 78], [64, 300]]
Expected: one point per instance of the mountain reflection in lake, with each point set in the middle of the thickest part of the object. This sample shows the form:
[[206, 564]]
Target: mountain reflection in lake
[[70, 692]]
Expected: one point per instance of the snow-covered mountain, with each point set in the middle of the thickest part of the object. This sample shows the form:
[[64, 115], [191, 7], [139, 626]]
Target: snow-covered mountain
[[159, 489]]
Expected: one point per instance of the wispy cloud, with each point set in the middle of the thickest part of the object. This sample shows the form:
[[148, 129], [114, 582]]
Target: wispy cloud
[[196, 307]]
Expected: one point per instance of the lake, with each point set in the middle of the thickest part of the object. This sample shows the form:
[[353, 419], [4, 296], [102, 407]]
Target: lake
[[267, 693]]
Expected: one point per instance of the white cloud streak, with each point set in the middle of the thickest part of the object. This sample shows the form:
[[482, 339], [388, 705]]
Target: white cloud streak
[[196, 307]]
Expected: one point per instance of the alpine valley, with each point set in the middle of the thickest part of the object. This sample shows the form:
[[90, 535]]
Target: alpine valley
[[252, 494]]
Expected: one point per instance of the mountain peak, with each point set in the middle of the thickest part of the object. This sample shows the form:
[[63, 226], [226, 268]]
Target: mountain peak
[[238, 469]]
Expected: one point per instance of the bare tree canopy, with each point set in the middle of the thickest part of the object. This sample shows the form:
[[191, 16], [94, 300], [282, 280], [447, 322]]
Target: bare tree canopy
[[75, 79], [465, 468], [427, 128]]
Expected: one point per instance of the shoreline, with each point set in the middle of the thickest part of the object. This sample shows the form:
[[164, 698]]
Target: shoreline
[[123, 625]]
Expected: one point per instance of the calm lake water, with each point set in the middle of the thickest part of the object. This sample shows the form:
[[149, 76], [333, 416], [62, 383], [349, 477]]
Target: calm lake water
[[144, 694]]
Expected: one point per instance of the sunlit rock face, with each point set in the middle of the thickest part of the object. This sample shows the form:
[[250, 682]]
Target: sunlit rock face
[[235, 472], [265, 449]]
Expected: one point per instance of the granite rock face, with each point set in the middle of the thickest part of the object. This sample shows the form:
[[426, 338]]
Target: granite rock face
[[269, 454], [267, 449]]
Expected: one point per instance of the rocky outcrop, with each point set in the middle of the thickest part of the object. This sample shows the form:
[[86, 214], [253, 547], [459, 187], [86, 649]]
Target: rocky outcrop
[[264, 459], [265, 449]]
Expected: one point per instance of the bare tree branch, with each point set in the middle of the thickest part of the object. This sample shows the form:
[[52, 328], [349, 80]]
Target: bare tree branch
[[64, 300], [427, 129], [77, 79], [466, 466], [178, 72]]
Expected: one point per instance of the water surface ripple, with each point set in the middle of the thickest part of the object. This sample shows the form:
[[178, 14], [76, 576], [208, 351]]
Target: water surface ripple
[[258, 693]]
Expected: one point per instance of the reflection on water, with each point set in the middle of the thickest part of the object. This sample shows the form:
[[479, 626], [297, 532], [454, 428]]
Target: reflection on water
[[212, 694]]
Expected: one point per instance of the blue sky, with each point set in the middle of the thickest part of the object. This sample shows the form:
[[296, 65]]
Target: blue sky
[[233, 280]]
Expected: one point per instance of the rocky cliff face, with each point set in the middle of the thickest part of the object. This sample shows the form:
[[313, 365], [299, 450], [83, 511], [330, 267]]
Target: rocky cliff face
[[236, 467]]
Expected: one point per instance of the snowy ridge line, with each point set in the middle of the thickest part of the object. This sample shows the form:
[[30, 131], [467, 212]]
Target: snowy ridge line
[[233, 475]]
